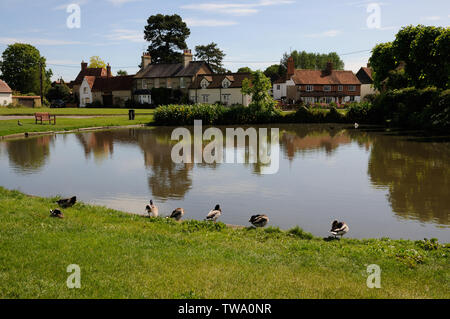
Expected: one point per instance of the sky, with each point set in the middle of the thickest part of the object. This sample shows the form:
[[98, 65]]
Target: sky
[[252, 33]]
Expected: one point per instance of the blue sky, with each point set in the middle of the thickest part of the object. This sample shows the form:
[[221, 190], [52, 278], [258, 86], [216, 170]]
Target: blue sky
[[252, 33]]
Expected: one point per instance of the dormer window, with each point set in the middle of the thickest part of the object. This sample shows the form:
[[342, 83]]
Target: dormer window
[[204, 84], [226, 83]]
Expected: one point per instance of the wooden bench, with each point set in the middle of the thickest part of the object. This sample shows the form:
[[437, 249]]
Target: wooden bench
[[45, 117]]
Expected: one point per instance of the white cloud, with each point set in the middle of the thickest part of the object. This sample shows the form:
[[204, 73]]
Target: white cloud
[[238, 9], [120, 2], [37, 41], [209, 22], [325, 34], [126, 35]]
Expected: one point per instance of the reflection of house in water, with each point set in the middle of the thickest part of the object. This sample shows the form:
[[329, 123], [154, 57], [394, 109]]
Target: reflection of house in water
[[295, 141], [30, 155], [100, 144]]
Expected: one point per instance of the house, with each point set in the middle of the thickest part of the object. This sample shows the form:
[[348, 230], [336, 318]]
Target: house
[[318, 86], [106, 90], [5, 93], [27, 100], [85, 71], [177, 76], [219, 88], [364, 76]]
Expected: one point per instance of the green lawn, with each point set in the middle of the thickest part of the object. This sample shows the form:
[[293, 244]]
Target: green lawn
[[64, 124], [126, 256], [71, 111]]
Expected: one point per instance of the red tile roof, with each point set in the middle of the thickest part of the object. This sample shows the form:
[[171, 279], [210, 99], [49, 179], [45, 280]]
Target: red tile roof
[[215, 80], [96, 72], [116, 83], [90, 80], [320, 77], [4, 88]]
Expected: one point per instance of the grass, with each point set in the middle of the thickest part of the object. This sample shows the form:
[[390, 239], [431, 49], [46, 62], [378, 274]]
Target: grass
[[72, 111], [128, 256], [8, 127]]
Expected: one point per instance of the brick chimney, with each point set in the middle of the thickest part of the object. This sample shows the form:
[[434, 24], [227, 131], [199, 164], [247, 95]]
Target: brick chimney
[[83, 65], [108, 71], [290, 67], [187, 57], [329, 68], [146, 60]]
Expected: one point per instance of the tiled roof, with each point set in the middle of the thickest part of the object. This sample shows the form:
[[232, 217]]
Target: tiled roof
[[116, 83], [365, 75], [320, 77], [90, 80], [215, 80], [96, 72], [4, 88], [171, 70]]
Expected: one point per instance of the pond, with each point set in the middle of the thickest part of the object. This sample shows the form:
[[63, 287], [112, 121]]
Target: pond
[[382, 184]]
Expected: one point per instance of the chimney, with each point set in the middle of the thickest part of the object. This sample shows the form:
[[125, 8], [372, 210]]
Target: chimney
[[290, 67], [146, 60], [329, 68], [187, 57], [108, 71], [83, 65]]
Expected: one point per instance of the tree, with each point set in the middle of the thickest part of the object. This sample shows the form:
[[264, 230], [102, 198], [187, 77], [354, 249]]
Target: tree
[[96, 62], [245, 69], [305, 60], [167, 35], [212, 55], [258, 88], [274, 72], [21, 67], [382, 62], [58, 92], [122, 73]]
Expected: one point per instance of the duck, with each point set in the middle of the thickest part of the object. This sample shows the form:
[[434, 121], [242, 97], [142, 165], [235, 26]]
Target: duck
[[356, 125], [56, 213], [339, 228], [18, 123], [67, 202], [214, 214], [177, 214], [152, 210], [259, 220]]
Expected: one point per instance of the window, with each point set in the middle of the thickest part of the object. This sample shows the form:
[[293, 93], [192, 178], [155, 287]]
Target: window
[[205, 98], [144, 84], [329, 99], [225, 98], [352, 88], [85, 90], [169, 83], [309, 88], [352, 98], [340, 87], [156, 83], [204, 84], [327, 88], [182, 84], [278, 87], [226, 84]]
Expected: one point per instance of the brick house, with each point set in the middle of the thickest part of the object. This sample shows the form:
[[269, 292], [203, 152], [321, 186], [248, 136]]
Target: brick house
[[317, 86], [222, 88], [85, 71], [177, 76]]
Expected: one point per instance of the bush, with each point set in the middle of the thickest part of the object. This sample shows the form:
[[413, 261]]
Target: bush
[[300, 233]]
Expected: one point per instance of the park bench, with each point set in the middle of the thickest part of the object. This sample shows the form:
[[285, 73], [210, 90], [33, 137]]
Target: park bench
[[45, 117]]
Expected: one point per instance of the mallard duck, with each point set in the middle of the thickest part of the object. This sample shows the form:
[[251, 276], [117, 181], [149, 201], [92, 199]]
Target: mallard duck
[[214, 214], [152, 210], [259, 220], [339, 228], [356, 125], [177, 214], [67, 202], [56, 213]]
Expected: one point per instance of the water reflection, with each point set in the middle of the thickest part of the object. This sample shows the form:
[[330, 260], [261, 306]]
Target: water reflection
[[414, 175]]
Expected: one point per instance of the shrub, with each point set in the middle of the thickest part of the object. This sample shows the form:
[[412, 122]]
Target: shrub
[[300, 233]]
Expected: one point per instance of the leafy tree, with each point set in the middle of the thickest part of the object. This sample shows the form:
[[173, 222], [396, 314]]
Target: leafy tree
[[212, 55], [21, 66], [245, 69], [305, 60], [382, 62], [258, 88], [96, 62], [274, 72], [59, 92], [167, 35], [122, 73]]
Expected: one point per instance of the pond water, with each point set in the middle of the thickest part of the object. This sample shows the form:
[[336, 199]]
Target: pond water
[[382, 184]]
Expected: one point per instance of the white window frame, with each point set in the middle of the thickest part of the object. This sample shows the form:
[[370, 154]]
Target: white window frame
[[309, 88], [352, 88], [340, 88], [327, 88], [226, 84], [205, 98], [278, 87], [204, 84], [182, 83]]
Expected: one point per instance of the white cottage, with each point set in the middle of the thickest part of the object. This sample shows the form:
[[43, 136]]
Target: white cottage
[[5, 93]]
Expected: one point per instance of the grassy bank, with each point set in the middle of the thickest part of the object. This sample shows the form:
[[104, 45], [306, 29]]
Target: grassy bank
[[122, 255], [71, 111], [9, 127]]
